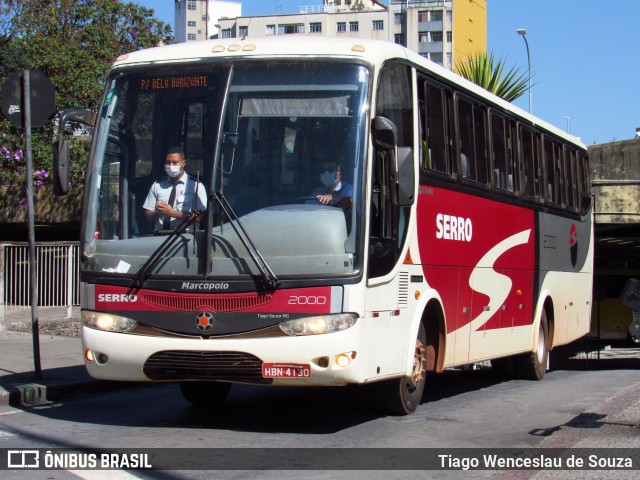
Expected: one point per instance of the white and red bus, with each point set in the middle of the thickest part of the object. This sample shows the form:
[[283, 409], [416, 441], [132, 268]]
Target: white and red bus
[[461, 230]]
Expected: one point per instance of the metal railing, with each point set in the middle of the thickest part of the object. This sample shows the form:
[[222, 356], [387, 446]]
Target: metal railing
[[57, 275]]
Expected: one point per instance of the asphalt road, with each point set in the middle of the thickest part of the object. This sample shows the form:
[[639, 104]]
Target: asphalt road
[[462, 409]]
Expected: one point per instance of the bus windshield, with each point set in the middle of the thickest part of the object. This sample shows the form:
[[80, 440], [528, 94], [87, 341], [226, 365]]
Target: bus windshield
[[273, 165]]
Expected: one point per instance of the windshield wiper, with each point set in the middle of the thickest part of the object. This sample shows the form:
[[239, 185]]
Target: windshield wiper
[[268, 276], [159, 252]]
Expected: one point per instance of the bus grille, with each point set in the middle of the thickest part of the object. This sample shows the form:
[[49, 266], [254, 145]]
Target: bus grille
[[196, 365], [190, 303]]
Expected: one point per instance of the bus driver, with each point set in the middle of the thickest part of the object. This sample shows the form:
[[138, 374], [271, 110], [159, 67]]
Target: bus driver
[[333, 191]]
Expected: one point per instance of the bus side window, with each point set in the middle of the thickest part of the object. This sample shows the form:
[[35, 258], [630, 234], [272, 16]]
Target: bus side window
[[465, 137], [436, 131], [501, 152], [570, 168], [547, 149], [472, 142], [531, 174], [585, 183]]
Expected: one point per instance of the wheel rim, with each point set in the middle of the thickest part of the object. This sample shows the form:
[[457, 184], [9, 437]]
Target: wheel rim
[[419, 372], [541, 350]]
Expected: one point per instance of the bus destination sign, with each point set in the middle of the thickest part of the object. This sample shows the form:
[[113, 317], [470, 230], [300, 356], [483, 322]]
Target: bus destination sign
[[173, 83]]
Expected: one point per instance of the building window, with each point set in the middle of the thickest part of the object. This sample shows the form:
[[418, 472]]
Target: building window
[[435, 15], [290, 28], [397, 18], [191, 23], [226, 33], [243, 31], [204, 18], [271, 30], [353, 26], [423, 37], [398, 38], [449, 37], [378, 24], [191, 4], [436, 36], [436, 57], [315, 27], [191, 36], [423, 16], [342, 27]]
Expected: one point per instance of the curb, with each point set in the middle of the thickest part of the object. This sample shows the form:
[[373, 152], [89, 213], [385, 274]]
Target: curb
[[39, 393]]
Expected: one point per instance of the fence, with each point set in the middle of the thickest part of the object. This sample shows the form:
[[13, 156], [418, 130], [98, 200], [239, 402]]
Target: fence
[[57, 275]]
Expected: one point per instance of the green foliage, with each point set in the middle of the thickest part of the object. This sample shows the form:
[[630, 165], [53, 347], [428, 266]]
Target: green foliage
[[483, 70], [74, 42]]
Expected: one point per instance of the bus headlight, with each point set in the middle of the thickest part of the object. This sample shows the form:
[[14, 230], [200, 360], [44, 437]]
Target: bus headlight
[[319, 324], [107, 321]]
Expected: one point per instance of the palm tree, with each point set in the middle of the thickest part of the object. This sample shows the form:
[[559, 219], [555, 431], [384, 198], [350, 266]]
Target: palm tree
[[483, 69]]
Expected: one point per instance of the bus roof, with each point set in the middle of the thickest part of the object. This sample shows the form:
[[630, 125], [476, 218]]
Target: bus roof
[[374, 52]]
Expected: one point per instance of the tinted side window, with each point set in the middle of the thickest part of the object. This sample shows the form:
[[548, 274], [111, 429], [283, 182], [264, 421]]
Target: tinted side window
[[552, 151], [585, 182], [436, 153], [472, 143], [572, 179], [529, 160], [502, 152], [394, 100]]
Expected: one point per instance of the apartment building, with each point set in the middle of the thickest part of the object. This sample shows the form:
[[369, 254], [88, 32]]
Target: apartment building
[[198, 19], [445, 31]]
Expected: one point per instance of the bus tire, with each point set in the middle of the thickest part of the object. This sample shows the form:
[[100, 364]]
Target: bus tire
[[533, 365], [401, 396], [205, 394]]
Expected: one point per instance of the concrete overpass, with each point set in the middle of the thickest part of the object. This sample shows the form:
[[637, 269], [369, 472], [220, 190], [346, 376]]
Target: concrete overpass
[[615, 177]]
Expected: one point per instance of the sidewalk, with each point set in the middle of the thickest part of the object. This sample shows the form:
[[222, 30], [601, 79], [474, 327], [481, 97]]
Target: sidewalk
[[62, 369]]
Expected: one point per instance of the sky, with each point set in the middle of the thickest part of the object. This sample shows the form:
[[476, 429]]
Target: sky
[[584, 57]]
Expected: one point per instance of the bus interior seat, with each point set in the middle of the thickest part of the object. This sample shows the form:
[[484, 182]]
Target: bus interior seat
[[464, 166], [499, 178]]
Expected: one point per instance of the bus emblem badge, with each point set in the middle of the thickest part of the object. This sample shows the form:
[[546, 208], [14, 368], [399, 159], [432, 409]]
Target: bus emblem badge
[[204, 321]]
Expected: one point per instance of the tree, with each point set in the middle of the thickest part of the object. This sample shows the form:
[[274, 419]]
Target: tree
[[483, 70], [74, 42]]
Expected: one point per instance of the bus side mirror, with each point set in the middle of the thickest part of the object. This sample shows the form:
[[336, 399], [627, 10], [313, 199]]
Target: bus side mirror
[[406, 177], [61, 167], [72, 119], [385, 132]]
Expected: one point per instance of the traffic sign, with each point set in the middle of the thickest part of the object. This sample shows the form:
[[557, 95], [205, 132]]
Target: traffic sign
[[43, 101]]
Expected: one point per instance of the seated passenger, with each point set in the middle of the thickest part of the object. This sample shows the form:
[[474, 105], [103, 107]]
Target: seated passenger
[[171, 199]]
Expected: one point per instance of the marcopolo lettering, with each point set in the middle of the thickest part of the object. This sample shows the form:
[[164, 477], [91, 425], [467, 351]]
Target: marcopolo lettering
[[205, 286], [117, 297], [450, 227]]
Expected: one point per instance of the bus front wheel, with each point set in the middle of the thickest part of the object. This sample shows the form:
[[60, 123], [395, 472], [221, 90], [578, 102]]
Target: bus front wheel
[[205, 394], [402, 396]]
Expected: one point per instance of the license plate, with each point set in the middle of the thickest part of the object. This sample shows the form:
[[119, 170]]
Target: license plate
[[285, 370]]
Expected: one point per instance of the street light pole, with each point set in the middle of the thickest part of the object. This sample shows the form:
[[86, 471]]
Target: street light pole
[[523, 32]]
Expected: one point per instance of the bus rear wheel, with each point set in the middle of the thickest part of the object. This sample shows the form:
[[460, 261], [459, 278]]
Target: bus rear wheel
[[533, 365], [205, 394], [402, 396]]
